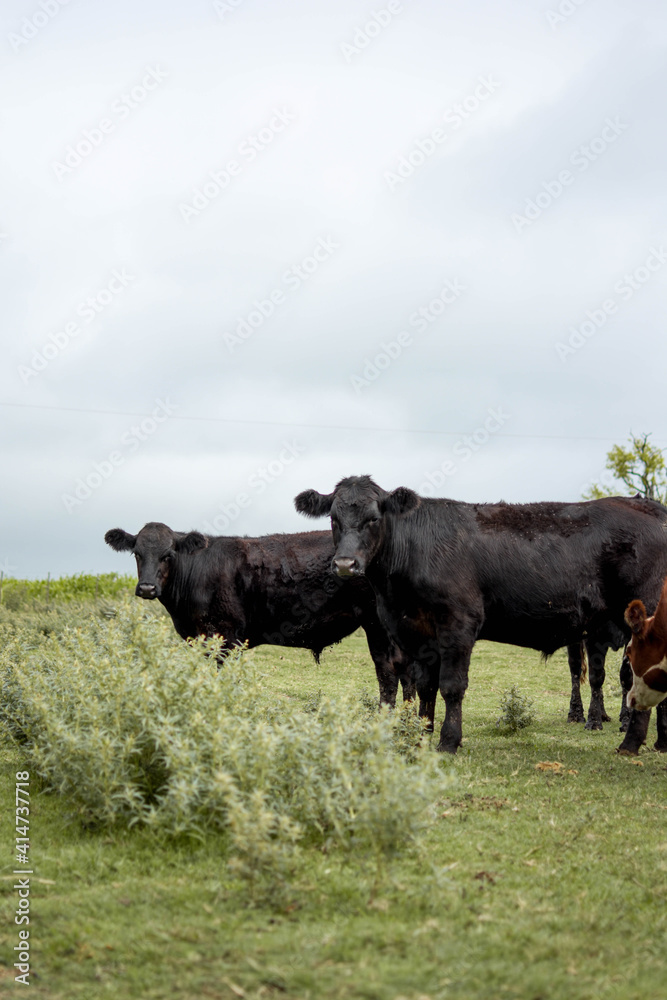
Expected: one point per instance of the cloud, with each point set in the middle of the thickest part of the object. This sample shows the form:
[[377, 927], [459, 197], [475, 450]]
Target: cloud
[[228, 84]]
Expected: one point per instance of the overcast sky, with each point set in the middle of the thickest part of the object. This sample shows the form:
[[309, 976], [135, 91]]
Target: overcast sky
[[250, 248]]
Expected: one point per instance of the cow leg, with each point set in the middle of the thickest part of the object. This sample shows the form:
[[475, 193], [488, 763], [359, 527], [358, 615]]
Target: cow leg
[[636, 733], [406, 671], [596, 652], [425, 678], [427, 700], [575, 659], [661, 719], [388, 686], [387, 681], [408, 683], [229, 640], [453, 683], [390, 662], [625, 678]]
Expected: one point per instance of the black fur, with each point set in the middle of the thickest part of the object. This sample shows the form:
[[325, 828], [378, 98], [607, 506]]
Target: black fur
[[120, 540], [401, 501], [542, 575], [191, 542], [313, 504], [277, 589]]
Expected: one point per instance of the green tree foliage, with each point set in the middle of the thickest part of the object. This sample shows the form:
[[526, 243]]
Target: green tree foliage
[[639, 468]]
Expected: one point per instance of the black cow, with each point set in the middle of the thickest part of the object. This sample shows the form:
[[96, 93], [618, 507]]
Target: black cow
[[588, 657], [446, 573], [278, 589]]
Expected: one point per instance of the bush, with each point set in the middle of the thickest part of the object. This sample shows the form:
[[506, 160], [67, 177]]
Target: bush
[[16, 595], [135, 726], [516, 711], [56, 619]]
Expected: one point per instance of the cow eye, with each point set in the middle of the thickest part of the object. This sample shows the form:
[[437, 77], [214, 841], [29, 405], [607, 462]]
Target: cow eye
[[372, 520]]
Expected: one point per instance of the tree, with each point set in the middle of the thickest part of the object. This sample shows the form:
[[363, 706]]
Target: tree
[[639, 468]]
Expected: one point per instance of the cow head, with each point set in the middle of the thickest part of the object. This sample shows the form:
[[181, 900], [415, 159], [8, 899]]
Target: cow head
[[155, 548], [359, 509], [647, 652]]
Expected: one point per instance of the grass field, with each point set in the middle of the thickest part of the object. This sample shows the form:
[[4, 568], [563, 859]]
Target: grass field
[[538, 883], [17, 595]]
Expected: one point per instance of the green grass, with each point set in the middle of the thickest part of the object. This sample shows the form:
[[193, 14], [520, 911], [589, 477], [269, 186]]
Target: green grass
[[19, 594], [533, 884]]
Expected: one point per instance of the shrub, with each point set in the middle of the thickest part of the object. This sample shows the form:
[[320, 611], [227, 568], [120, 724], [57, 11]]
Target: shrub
[[135, 726], [516, 711], [17, 595]]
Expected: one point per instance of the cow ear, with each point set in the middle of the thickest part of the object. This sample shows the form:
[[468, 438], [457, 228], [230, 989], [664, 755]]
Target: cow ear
[[635, 616], [120, 540], [314, 504], [191, 542], [401, 501]]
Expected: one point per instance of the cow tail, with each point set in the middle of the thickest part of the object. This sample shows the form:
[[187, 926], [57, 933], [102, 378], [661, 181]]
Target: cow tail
[[584, 664]]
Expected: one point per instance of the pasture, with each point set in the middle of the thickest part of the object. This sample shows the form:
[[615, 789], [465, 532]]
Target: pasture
[[539, 875]]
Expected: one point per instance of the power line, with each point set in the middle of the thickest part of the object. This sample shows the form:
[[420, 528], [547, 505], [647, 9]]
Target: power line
[[295, 423]]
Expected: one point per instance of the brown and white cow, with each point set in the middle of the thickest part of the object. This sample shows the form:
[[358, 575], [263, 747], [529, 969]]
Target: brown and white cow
[[647, 652]]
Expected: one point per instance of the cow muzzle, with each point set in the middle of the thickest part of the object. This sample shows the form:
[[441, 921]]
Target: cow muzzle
[[641, 697], [146, 590], [346, 567]]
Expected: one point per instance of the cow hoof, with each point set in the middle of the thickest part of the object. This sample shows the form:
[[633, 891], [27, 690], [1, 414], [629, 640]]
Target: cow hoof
[[593, 725], [578, 717], [605, 717], [447, 748], [660, 746], [624, 752]]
